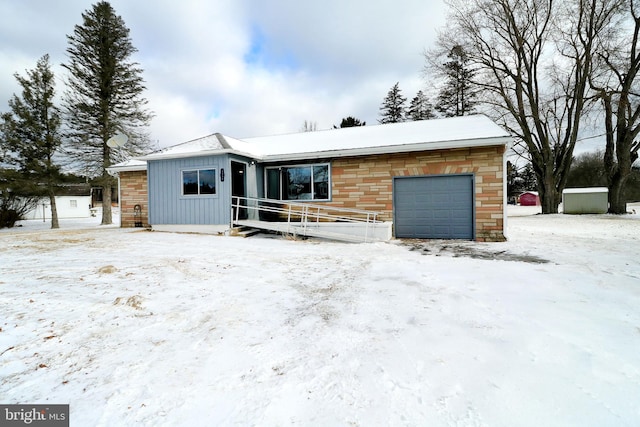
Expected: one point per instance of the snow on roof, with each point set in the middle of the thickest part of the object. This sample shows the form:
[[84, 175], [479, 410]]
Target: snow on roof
[[452, 132], [209, 143], [128, 165], [586, 190], [455, 132]]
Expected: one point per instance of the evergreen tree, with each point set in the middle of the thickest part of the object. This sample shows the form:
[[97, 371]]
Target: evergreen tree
[[104, 97], [349, 122], [420, 108], [528, 175], [31, 136], [456, 97], [515, 185], [392, 109]]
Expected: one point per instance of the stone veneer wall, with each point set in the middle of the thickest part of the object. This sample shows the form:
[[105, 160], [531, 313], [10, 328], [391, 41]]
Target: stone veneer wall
[[133, 191], [367, 182]]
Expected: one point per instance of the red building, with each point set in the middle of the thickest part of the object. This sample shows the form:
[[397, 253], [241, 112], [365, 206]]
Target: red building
[[529, 198]]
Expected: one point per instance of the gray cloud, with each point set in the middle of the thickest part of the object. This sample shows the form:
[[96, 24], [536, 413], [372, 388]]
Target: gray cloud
[[243, 68]]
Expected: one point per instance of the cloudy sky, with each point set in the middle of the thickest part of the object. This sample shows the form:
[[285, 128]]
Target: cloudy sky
[[242, 67]]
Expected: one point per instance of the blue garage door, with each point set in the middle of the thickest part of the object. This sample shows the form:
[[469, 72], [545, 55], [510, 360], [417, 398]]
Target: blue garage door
[[434, 207]]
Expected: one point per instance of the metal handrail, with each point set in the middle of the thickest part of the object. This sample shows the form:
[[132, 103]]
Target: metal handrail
[[305, 212]]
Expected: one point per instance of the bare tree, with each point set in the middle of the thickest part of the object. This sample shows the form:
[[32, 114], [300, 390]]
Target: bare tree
[[617, 88], [534, 59], [309, 126]]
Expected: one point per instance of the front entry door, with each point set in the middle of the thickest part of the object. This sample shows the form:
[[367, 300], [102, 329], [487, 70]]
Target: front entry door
[[239, 186]]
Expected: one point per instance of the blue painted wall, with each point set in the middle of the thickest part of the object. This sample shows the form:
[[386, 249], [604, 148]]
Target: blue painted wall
[[167, 205]]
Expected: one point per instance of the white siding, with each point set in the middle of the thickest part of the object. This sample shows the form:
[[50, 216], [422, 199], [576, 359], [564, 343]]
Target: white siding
[[67, 207]]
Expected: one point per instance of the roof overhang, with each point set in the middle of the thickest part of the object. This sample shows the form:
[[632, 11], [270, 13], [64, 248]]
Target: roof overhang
[[129, 166], [390, 149], [203, 153]]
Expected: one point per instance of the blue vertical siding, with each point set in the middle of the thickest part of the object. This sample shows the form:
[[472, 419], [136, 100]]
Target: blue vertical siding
[[167, 205], [259, 174]]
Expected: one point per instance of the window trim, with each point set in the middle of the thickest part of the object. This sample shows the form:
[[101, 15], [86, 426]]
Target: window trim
[[279, 168], [197, 169]]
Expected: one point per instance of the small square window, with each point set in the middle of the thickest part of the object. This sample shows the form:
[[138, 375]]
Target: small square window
[[199, 182]]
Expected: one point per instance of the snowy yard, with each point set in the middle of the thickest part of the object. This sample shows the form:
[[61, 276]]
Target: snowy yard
[[144, 328]]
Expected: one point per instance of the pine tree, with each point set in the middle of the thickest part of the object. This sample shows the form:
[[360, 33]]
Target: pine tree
[[420, 108], [528, 176], [31, 135], [392, 109], [104, 97], [349, 122], [457, 97]]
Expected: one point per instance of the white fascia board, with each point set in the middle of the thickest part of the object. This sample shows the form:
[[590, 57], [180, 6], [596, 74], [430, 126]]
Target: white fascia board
[[129, 168], [350, 152], [115, 170], [390, 149], [198, 154]]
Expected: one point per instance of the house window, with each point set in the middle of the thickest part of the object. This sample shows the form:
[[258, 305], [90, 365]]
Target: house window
[[73, 203], [304, 182], [198, 182]]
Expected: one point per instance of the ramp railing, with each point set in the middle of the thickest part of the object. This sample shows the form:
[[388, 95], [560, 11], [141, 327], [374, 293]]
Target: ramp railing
[[302, 218]]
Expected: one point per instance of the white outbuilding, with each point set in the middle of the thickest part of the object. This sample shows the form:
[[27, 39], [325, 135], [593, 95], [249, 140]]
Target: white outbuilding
[[592, 200]]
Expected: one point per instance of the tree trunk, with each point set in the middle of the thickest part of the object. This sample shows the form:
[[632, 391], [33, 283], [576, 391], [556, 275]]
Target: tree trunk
[[617, 201], [54, 211], [548, 194], [106, 204]]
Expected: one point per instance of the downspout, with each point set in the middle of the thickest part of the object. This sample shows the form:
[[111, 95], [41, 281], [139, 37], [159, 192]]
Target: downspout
[[504, 192], [119, 202]]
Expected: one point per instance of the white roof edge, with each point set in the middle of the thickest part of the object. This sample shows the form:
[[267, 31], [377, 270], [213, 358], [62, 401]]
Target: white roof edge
[[197, 154], [388, 149], [586, 190], [142, 166]]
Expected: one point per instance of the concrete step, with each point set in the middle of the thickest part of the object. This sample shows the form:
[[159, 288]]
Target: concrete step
[[243, 231]]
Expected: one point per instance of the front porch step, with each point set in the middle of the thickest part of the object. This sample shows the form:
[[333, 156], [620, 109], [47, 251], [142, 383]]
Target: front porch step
[[243, 231]]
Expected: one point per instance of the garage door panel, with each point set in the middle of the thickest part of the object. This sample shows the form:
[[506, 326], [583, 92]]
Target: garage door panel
[[423, 198], [441, 215], [441, 199], [458, 197], [459, 214], [438, 207]]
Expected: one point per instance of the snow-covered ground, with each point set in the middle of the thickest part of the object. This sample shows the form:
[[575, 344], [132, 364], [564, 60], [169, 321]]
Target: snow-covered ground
[[144, 328]]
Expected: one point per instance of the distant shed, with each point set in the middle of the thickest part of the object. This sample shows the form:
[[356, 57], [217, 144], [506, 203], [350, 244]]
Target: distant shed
[[529, 198], [593, 200], [72, 201]]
